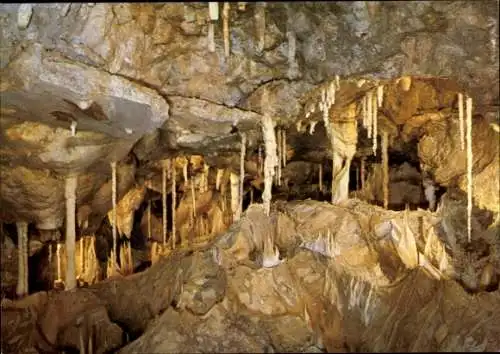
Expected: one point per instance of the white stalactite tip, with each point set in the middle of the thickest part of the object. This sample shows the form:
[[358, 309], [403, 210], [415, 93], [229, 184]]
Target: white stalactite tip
[[213, 11], [299, 126], [312, 127], [380, 95], [73, 128]]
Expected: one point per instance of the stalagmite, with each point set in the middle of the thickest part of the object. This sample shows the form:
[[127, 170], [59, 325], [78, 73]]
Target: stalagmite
[[164, 202], [461, 120], [321, 177], [225, 24], [278, 143], [369, 100], [260, 24], [270, 161], [284, 148], [375, 123], [70, 195], [385, 167], [114, 254], [242, 170], [174, 196], [218, 178], [468, 107], [235, 198], [22, 261]]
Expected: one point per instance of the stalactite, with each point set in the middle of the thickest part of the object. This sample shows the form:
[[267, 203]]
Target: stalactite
[[278, 146], [225, 24], [375, 124], [213, 11], [261, 162], [321, 177], [185, 164], [174, 197], [260, 23], [242, 5], [58, 256], [164, 201], [461, 120], [149, 220], [242, 170], [218, 178], [364, 110], [50, 261], [82, 260], [363, 172], [235, 198], [70, 195], [385, 165], [270, 161], [114, 254], [468, 108], [369, 100], [22, 260], [292, 49], [380, 95], [312, 127], [206, 170], [211, 35], [193, 198], [284, 149]]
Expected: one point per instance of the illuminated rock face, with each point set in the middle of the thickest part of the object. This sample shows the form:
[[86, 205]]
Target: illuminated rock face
[[84, 85]]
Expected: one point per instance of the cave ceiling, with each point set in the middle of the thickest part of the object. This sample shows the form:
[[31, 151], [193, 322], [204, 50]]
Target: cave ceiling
[[138, 83]]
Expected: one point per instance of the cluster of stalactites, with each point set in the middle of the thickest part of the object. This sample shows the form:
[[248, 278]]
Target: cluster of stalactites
[[213, 13], [370, 104]]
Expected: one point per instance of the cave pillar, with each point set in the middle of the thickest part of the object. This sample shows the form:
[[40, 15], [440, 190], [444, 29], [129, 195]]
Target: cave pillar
[[70, 195], [22, 241]]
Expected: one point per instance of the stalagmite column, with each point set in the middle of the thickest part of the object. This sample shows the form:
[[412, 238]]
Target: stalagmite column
[[174, 196], [22, 261], [242, 170], [164, 201], [468, 107], [225, 24], [235, 197], [70, 195], [114, 253], [270, 161], [385, 167]]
